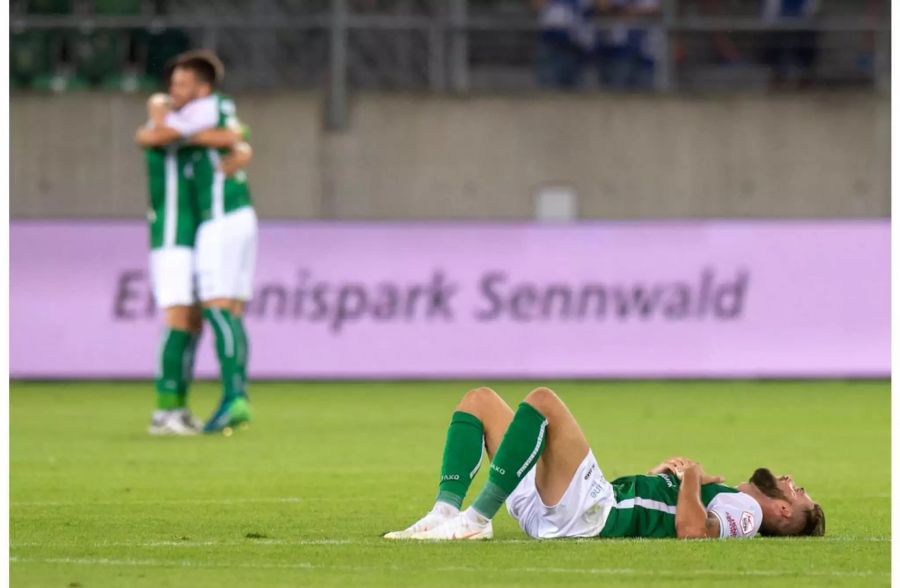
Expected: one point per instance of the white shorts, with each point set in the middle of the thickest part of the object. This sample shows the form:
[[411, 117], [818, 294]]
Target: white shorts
[[581, 512], [226, 256], [172, 276]]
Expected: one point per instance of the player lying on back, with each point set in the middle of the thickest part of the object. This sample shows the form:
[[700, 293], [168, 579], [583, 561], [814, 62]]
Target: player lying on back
[[544, 470]]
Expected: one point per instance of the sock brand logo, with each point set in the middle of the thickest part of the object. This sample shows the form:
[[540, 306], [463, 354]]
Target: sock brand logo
[[446, 477], [498, 469]]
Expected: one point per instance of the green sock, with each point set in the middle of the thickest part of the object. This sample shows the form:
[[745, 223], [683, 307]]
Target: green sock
[[519, 450], [222, 324], [243, 355], [170, 372], [187, 363], [462, 457]]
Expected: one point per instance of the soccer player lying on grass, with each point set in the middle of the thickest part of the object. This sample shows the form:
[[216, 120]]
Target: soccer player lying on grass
[[544, 470]]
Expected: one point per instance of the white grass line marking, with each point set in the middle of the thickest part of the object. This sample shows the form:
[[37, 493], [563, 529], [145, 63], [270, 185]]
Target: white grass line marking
[[248, 542], [214, 501], [473, 569], [188, 543], [217, 501]]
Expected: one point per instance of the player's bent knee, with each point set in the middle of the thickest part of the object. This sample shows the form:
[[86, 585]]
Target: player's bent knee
[[476, 399], [178, 317], [543, 399], [225, 303]]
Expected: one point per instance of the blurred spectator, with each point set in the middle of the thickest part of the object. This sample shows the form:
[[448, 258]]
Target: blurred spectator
[[793, 54], [865, 59], [566, 42], [724, 48], [627, 54], [85, 56]]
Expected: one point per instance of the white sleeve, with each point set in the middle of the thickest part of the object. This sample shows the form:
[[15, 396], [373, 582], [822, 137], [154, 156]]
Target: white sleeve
[[739, 515], [195, 116]]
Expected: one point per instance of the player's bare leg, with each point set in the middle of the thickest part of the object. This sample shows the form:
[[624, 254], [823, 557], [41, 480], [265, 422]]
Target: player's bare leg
[[478, 423], [175, 373], [565, 447], [543, 434], [234, 408]]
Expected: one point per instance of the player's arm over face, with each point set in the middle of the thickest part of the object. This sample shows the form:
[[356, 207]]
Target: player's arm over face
[[691, 519]]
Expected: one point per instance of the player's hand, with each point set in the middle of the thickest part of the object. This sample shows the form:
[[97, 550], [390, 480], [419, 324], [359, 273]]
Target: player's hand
[[238, 158], [229, 165], [663, 468], [678, 464], [688, 466], [668, 466], [158, 106]]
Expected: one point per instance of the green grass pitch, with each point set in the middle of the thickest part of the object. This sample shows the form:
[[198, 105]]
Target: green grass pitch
[[302, 497]]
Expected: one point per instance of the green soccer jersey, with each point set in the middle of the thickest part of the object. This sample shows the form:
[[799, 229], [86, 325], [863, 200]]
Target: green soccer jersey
[[216, 193], [172, 215], [645, 507]]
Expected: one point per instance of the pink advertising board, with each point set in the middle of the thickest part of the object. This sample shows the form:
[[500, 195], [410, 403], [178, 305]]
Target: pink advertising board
[[607, 300]]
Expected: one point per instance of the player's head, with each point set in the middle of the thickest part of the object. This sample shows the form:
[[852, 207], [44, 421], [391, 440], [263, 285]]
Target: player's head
[[787, 509], [194, 74]]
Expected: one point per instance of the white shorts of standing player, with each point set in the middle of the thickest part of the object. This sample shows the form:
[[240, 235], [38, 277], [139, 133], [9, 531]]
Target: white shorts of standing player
[[225, 253], [172, 276]]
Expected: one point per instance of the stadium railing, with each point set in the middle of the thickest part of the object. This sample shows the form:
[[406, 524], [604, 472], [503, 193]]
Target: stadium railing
[[453, 46]]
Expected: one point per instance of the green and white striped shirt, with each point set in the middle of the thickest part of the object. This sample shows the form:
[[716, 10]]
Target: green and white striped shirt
[[645, 507]]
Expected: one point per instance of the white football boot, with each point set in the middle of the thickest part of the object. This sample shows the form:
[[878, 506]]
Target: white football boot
[[191, 421], [441, 513], [172, 422], [467, 525]]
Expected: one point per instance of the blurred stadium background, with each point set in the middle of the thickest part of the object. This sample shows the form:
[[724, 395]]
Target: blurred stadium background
[[340, 96], [538, 117]]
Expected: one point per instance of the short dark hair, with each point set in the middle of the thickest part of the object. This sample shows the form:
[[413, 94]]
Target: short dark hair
[[203, 62], [813, 525], [815, 522]]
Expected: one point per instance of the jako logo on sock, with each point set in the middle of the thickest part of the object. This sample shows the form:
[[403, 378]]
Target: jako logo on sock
[[499, 470], [446, 477]]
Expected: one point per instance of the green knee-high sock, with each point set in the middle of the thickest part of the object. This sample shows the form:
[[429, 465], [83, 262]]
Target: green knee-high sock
[[462, 457], [222, 324], [519, 450], [243, 354], [187, 372], [170, 371]]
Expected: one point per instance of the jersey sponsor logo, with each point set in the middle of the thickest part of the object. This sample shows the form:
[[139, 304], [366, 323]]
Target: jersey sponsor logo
[[747, 522], [732, 525], [597, 490]]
